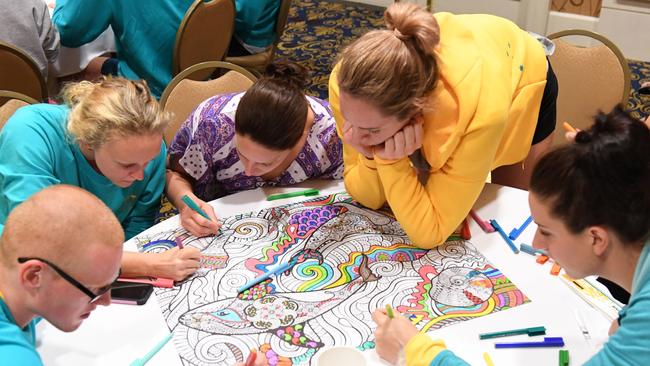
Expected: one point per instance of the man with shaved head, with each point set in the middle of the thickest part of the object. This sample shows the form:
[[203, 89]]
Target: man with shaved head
[[59, 254]]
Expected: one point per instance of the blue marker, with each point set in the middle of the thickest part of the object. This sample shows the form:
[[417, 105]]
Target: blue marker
[[514, 234], [277, 269], [142, 361], [547, 342], [505, 237], [532, 251]]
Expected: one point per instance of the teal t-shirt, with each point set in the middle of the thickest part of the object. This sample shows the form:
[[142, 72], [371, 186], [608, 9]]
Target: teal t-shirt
[[145, 33], [36, 152], [630, 345], [255, 21], [17, 346]]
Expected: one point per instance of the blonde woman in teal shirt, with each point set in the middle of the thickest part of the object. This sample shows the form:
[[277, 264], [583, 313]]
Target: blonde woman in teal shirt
[[107, 139]]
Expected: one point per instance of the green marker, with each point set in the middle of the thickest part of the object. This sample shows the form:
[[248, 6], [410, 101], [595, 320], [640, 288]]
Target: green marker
[[142, 361], [533, 331], [564, 357], [191, 204], [307, 192], [389, 311]]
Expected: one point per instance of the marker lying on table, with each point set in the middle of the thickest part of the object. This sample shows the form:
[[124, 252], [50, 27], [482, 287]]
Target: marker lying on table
[[531, 331], [505, 237], [514, 233], [194, 206], [488, 359], [306, 192], [273, 271], [250, 361], [530, 250], [547, 342], [564, 357], [485, 226], [150, 354]]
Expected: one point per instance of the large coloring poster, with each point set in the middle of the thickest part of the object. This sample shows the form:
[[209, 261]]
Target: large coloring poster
[[346, 262]]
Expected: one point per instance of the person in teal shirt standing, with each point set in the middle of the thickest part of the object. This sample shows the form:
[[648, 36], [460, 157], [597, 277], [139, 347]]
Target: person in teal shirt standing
[[51, 267], [107, 139], [591, 202], [254, 26], [145, 33]]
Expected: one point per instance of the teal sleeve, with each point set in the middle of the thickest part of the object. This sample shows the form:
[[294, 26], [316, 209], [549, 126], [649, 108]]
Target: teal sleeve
[[448, 358], [26, 159], [148, 203], [16, 353], [630, 344], [81, 21], [249, 11]]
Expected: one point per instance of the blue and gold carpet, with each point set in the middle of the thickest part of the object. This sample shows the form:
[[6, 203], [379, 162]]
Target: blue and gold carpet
[[317, 30]]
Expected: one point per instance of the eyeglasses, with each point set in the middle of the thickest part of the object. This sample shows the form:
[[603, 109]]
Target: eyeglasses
[[93, 296]]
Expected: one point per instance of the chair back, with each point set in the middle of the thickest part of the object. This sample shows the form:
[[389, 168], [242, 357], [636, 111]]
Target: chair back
[[10, 102], [19, 73], [204, 34], [257, 62], [183, 95], [590, 78]]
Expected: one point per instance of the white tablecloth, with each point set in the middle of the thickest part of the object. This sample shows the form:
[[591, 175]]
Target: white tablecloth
[[74, 60]]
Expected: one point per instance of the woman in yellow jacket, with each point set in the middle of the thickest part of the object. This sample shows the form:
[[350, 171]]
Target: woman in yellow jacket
[[451, 97]]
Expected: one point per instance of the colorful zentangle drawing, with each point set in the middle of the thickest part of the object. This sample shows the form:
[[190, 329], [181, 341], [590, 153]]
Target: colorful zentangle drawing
[[348, 261]]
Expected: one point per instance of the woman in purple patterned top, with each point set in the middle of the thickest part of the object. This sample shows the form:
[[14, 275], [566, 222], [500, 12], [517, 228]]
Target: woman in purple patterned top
[[270, 135]]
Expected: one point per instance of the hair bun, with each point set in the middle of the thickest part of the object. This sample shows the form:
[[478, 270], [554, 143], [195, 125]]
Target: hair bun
[[583, 137], [411, 23], [287, 71]]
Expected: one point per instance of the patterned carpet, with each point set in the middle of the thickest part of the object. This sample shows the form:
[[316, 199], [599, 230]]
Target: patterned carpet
[[318, 29]]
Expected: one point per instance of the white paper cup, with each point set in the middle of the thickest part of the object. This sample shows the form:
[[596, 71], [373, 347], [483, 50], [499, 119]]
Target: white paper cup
[[340, 356]]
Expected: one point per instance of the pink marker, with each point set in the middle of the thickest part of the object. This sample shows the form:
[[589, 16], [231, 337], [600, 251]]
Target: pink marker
[[179, 242], [483, 224]]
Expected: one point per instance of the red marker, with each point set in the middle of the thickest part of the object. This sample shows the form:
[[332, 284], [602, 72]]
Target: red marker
[[250, 361]]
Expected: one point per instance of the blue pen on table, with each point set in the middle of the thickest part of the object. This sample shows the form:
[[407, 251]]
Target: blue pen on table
[[273, 271], [547, 342], [532, 251], [514, 233], [194, 206], [142, 361], [505, 237]]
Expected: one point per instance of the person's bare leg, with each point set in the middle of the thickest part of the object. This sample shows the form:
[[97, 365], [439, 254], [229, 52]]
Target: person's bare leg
[[518, 176], [93, 71]]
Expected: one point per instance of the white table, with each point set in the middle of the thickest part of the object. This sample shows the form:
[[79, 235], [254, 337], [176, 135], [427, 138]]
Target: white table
[[118, 334], [74, 60]]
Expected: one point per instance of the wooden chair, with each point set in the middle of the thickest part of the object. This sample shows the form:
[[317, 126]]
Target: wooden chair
[[10, 102], [19, 73], [590, 79], [183, 95], [204, 34], [257, 62]]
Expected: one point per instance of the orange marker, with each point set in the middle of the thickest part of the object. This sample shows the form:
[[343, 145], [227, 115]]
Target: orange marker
[[555, 270], [568, 127], [464, 232], [542, 259]]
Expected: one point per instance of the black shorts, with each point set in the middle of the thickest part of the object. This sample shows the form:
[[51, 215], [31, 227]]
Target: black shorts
[[109, 67], [548, 108]]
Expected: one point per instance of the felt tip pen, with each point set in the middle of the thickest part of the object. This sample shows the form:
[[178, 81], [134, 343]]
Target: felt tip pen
[[274, 271], [142, 361], [505, 237], [306, 192], [488, 359], [547, 342], [568, 128], [389, 311], [485, 226], [564, 357], [194, 206], [179, 242], [531, 331], [250, 360], [514, 233]]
